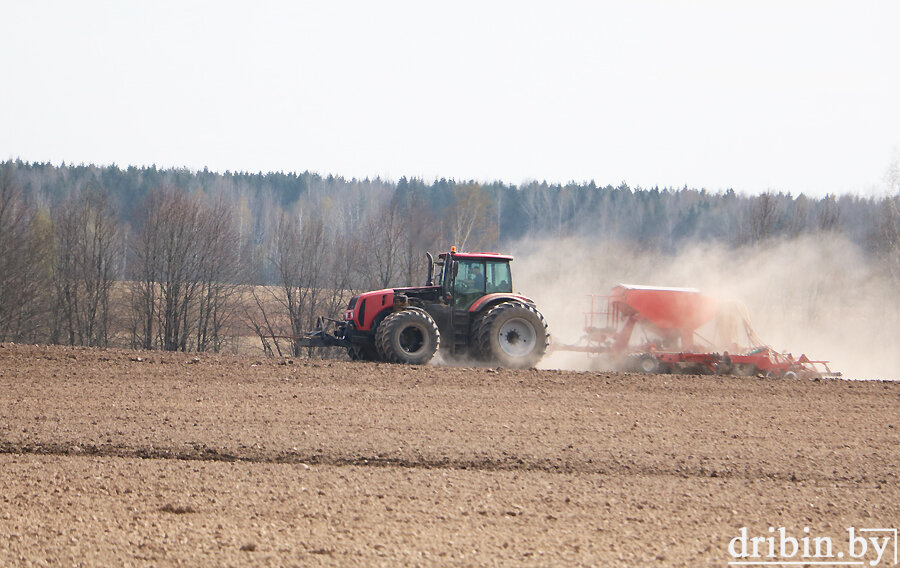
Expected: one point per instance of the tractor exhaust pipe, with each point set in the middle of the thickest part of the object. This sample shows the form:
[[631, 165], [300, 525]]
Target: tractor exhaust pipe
[[430, 280]]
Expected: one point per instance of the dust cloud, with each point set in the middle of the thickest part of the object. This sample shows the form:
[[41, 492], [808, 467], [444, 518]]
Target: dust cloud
[[815, 295]]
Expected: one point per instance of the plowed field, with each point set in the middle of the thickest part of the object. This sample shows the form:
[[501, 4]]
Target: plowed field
[[112, 457]]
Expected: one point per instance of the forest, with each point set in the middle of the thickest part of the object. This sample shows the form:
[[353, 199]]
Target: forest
[[175, 259]]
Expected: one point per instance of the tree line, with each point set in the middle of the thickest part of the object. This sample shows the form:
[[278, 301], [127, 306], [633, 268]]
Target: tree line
[[175, 259]]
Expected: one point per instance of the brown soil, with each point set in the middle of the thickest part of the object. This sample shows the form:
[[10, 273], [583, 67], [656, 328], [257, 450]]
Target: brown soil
[[135, 458]]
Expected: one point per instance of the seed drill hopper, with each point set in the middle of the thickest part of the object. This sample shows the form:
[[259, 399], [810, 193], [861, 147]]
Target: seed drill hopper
[[655, 330]]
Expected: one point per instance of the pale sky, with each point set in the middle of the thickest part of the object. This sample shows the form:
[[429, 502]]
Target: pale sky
[[755, 95]]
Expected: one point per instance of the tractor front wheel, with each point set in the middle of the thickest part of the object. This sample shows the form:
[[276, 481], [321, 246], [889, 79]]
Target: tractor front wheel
[[409, 336], [513, 334]]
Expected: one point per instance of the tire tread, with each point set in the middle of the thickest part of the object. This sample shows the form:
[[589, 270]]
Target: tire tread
[[385, 331], [481, 331]]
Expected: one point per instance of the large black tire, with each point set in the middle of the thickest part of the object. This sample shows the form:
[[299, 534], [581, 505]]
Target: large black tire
[[513, 334], [409, 336]]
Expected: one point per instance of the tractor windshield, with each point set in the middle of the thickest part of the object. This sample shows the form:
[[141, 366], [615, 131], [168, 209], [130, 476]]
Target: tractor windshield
[[475, 278]]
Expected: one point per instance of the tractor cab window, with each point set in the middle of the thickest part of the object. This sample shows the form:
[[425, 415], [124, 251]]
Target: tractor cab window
[[498, 278], [475, 278]]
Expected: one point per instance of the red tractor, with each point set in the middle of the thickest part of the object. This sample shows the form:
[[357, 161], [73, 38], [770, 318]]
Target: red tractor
[[467, 308]]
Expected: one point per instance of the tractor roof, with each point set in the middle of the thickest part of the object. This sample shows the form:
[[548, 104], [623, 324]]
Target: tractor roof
[[480, 255]]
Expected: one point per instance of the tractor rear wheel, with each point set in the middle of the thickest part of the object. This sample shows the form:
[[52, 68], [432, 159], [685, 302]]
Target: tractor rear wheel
[[409, 336], [513, 334]]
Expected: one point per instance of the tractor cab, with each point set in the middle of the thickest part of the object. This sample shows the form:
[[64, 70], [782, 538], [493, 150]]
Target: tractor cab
[[477, 312], [468, 277]]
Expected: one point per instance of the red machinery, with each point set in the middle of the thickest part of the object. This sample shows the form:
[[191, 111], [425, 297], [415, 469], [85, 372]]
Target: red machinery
[[668, 320]]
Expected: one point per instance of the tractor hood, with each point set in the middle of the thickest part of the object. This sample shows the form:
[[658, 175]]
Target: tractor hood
[[363, 309]]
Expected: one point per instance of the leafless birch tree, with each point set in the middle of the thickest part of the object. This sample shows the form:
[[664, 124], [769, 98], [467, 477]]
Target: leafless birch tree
[[86, 245]]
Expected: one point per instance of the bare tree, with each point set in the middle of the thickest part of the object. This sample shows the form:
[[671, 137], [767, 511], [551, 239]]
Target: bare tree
[[471, 218], [147, 269], [162, 250], [383, 240], [534, 199], [421, 234], [829, 214], [798, 218], [888, 225], [763, 216], [86, 246], [299, 254], [219, 273], [186, 258], [342, 276], [888, 237], [24, 273]]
